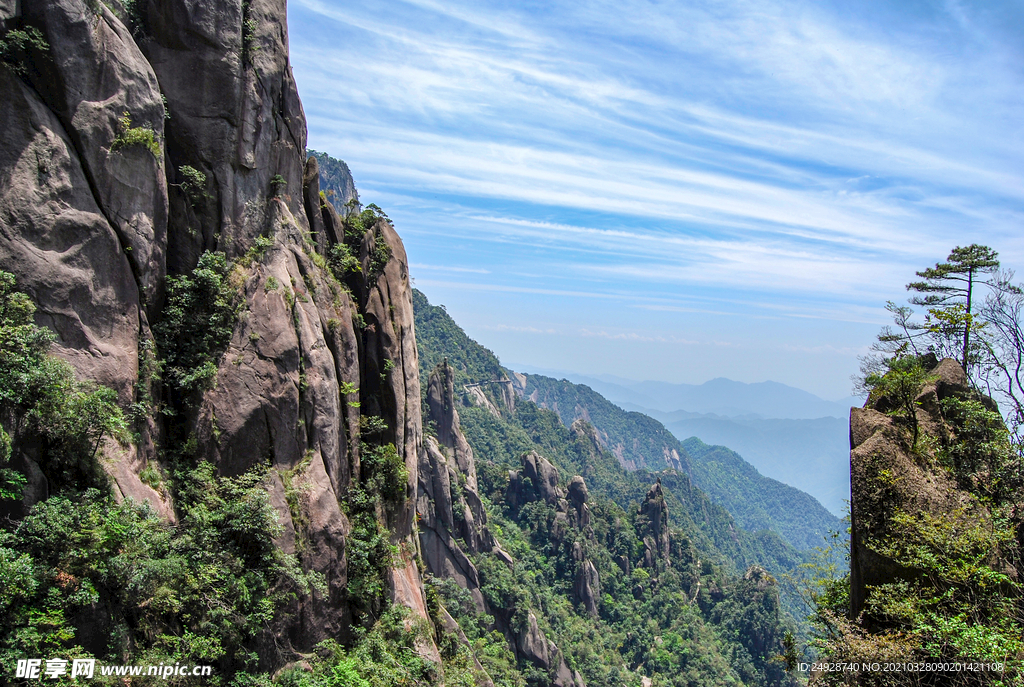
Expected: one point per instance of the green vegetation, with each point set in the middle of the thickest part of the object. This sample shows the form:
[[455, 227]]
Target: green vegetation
[[198, 319], [899, 385], [639, 441], [437, 336], [954, 594], [201, 592], [949, 293], [40, 398], [128, 136], [278, 184], [694, 619], [21, 47], [193, 184], [82, 575], [383, 656], [342, 263], [249, 28], [379, 257], [758, 502]]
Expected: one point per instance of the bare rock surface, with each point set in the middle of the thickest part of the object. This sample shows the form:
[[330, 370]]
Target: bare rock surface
[[652, 521], [56, 239]]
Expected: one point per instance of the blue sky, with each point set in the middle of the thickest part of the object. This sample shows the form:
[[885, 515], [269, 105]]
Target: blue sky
[[674, 191]]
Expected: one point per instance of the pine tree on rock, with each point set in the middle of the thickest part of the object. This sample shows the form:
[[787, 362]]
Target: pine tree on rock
[[947, 291]]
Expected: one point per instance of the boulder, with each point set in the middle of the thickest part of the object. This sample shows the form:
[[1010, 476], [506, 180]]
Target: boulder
[[587, 588]]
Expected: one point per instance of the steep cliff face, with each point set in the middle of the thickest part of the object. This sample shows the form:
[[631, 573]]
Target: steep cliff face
[[888, 478], [145, 134], [936, 520], [453, 524], [451, 517]]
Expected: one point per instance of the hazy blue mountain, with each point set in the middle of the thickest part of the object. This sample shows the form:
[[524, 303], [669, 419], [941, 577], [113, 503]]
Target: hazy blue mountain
[[718, 396], [811, 455]]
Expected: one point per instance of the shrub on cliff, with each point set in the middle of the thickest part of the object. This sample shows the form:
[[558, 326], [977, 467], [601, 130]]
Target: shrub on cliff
[[40, 398], [197, 323]]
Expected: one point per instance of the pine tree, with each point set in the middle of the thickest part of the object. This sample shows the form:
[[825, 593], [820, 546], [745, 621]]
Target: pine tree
[[948, 290]]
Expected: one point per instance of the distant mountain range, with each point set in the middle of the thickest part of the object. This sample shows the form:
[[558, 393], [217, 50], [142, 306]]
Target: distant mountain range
[[640, 441], [788, 434], [811, 455], [719, 396]]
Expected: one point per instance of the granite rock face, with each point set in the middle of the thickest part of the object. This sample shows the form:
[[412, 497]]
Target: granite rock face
[[140, 139]]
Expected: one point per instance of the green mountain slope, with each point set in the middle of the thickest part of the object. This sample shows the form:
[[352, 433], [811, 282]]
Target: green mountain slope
[[637, 440], [758, 502], [692, 603], [501, 440]]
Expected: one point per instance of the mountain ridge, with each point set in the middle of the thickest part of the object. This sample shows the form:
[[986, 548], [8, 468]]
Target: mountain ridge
[[721, 396]]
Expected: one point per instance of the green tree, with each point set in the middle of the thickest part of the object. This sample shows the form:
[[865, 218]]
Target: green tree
[[948, 293], [899, 385]]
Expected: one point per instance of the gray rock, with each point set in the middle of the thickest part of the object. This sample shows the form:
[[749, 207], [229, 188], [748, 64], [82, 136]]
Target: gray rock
[[235, 116], [99, 74], [441, 411], [447, 468], [60, 246], [312, 203], [389, 367], [587, 588], [578, 499], [9, 9], [544, 477], [652, 525], [532, 645]]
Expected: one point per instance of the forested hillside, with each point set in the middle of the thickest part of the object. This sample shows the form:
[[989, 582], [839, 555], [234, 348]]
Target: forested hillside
[[758, 502], [637, 440], [711, 603]]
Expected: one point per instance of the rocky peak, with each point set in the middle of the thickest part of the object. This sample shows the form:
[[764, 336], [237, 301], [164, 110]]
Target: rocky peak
[[443, 415], [890, 477], [544, 477], [652, 526]]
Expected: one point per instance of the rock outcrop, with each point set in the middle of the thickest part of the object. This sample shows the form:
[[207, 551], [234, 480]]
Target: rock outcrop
[[453, 523], [150, 132], [452, 520], [652, 525], [888, 477]]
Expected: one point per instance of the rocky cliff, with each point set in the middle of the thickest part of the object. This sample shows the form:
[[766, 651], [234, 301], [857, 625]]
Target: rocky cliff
[[137, 138], [452, 522], [936, 521]]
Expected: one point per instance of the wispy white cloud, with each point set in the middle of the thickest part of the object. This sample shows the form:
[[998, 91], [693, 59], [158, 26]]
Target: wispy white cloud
[[636, 336], [514, 328], [416, 266], [772, 158]]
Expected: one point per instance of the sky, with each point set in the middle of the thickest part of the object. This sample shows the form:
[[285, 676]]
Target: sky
[[674, 191]]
